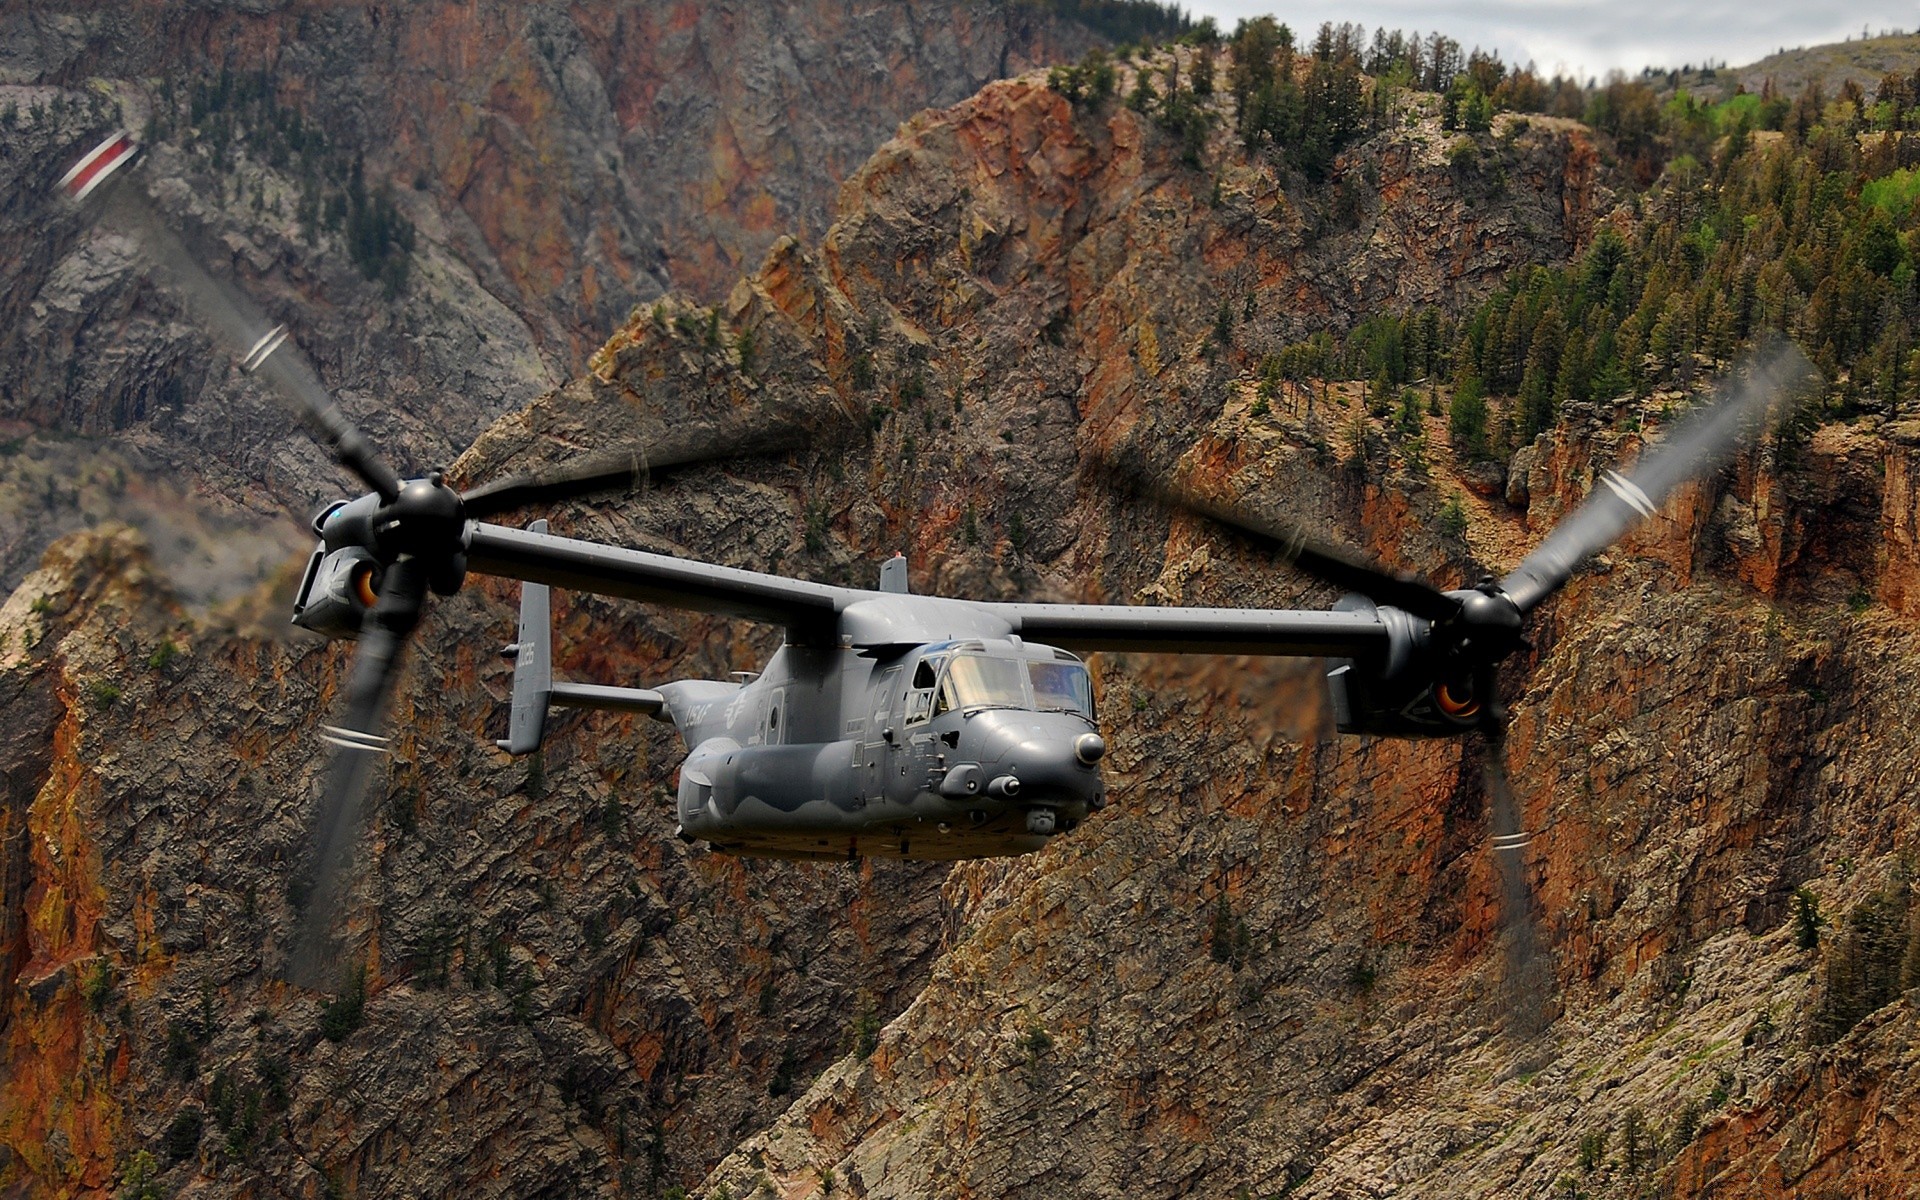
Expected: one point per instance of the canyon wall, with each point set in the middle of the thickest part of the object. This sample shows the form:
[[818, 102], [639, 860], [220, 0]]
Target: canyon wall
[[1015, 294]]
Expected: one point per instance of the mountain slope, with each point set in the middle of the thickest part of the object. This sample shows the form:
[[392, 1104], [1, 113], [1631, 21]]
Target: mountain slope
[[452, 204], [1274, 964]]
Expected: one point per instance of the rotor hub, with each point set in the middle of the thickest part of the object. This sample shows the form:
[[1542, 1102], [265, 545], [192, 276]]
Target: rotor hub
[[1487, 628], [425, 520]]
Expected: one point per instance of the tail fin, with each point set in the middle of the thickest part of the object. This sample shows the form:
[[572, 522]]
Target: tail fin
[[534, 690], [532, 667]]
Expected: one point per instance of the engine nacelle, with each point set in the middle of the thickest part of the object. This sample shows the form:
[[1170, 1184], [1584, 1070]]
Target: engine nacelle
[[337, 592], [1411, 690]]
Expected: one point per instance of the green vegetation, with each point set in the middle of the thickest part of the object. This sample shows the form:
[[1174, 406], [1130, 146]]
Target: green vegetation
[[866, 1032], [1813, 235], [1635, 1151], [1228, 939], [1894, 195], [1035, 1043], [1306, 108], [219, 118], [1122, 20], [1872, 958], [1090, 82], [163, 655], [1806, 919], [1593, 1149], [239, 1111], [140, 1178], [342, 1015], [96, 986]]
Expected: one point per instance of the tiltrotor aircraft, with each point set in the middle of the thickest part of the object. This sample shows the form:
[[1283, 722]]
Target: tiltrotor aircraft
[[888, 724]]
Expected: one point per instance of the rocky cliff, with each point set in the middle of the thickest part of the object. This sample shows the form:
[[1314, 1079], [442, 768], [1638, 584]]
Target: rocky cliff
[[1275, 964], [453, 204]]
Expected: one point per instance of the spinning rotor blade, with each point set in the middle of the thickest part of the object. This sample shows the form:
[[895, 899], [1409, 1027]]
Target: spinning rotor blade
[[617, 472], [259, 344], [356, 742], [1699, 446], [1339, 568], [1528, 969], [262, 350]]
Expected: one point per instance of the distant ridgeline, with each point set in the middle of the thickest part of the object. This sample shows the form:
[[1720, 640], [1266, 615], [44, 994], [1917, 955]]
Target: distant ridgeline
[[1810, 230], [1755, 213]]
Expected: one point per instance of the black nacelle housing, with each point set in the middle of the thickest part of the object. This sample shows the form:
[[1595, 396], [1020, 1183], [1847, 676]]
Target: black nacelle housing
[[1418, 688]]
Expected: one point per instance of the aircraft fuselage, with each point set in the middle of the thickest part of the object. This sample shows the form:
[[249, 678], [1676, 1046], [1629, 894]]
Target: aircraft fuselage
[[954, 749]]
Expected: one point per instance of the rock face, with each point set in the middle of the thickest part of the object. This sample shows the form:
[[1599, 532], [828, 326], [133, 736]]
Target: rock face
[[555, 164], [1276, 963]]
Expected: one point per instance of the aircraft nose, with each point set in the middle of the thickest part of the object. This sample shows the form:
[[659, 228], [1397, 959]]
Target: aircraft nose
[[1053, 756]]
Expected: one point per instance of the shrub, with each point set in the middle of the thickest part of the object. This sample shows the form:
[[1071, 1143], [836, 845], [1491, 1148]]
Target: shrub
[[183, 1135], [181, 1057], [1806, 919], [345, 1013], [1593, 1148], [139, 1180], [97, 985], [1036, 1042], [1467, 420]]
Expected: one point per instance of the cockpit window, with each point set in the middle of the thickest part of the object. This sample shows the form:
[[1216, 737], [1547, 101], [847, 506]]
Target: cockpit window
[[1061, 687], [920, 694], [976, 681]]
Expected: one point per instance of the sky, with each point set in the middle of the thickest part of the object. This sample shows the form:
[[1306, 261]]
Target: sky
[[1590, 39]]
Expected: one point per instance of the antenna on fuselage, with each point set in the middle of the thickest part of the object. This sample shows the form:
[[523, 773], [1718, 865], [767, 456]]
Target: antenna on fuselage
[[893, 575]]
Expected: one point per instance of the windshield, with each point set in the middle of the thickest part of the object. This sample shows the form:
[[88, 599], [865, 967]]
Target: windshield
[[1061, 687], [976, 681]]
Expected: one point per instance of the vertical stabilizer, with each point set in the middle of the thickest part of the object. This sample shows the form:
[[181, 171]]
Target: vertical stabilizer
[[534, 691], [532, 667]]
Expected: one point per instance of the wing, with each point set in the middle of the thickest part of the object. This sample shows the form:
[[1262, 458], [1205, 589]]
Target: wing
[[1290, 632], [811, 611], [808, 609]]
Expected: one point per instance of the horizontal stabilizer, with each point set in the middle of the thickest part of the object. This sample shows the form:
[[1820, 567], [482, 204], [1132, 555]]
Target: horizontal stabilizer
[[607, 699]]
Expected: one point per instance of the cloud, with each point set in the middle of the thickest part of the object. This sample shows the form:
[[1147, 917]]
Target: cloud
[[1590, 39]]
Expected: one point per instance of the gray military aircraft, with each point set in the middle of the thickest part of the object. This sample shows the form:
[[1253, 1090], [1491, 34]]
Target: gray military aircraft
[[887, 724]]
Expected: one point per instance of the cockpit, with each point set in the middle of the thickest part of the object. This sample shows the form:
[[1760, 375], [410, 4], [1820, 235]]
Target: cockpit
[[968, 679]]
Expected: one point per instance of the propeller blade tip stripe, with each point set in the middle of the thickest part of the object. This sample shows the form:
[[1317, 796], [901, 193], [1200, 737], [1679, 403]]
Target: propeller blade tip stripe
[[1630, 492], [353, 739], [263, 349], [98, 164]]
